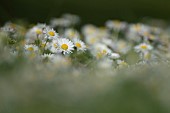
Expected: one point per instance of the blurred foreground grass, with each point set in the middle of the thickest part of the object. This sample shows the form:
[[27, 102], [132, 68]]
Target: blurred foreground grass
[[32, 89]]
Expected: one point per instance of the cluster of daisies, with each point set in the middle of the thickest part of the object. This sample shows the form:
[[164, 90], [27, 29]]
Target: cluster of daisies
[[49, 39], [109, 45]]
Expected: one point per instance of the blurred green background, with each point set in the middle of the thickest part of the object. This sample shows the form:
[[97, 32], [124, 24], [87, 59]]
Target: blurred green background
[[91, 11]]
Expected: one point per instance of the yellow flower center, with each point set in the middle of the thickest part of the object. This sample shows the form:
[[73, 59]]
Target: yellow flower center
[[146, 33], [123, 63], [104, 51], [91, 31], [72, 34], [117, 23], [38, 31], [51, 33], [151, 37], [99, 55], [92, 40], [55, 45], [13, 26], [30, 49], [78, 45], [143, 46], [138, 27], [43, 45], [64, 46]]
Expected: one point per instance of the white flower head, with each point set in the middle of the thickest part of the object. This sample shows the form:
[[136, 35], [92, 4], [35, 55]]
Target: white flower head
[[89, 30], [71, 33], [100, 50], [92, 39], [113, 55], [9, 27], [35, 33], [121, 63], [31, 48], [139, 28], [116, 25], [143, 47], [105, 63], [121, 46], [74, 19], [38, 29], [31, 51], [45, 44], [80, 45], [47, 56], [136, 31], [50, 34], [60, 22], [54, 46], [65, 46], [107, 41], [56, 60]]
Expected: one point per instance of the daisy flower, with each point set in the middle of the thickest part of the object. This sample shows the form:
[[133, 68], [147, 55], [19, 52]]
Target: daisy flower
[[113, 55], [9, 27], [45, 44], [121, 46], [100, 50], [136, 31], [92, 39], [80, 45], [116, 25], [47, 56], [65, 46], [38, 31], [149, 36], [60, 22], [54, 46], [56, 60], [35, 33], [105, 63], [146, 56], [89, 30], [31, 48], [121, 63], [31, 51], [140, 28], [71, 33], [107, 41], [143, 47], [50, 34], [74, 19]]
